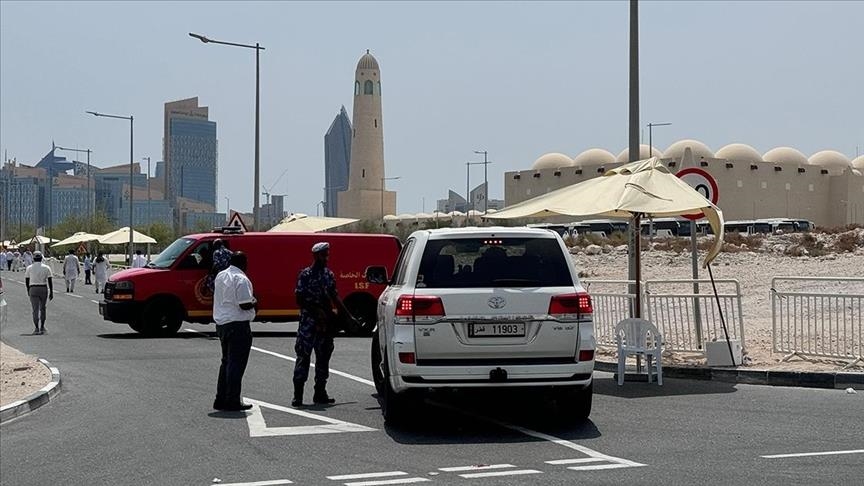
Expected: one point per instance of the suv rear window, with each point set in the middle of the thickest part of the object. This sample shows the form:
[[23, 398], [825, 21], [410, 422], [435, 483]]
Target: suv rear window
[[493, 262]]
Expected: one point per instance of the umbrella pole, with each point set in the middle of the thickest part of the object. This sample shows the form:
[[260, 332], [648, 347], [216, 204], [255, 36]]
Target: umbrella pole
[[634, 268]]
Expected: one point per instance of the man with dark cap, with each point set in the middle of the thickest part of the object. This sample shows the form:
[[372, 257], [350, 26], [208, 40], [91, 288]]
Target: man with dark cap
[[316, 295], [234, 307], [40, 288]]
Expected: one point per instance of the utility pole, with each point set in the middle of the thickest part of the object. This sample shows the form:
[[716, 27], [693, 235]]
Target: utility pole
[[149, 214], [634, 270]]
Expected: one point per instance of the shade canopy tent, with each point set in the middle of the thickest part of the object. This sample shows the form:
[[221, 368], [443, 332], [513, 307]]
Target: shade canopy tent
[[301, 223], [642, 188], [38, 240], [79, 237], [121, 237]]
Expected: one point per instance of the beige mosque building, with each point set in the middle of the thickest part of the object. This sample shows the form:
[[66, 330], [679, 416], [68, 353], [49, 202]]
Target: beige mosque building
[[366, 197], [826, 188]]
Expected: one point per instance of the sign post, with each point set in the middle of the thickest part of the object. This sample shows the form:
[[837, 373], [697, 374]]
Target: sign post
[[705, 184]]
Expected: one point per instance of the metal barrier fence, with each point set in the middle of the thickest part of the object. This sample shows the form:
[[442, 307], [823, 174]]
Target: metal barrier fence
[[673, 306], [687, 312], [612, 301], [818, 317]]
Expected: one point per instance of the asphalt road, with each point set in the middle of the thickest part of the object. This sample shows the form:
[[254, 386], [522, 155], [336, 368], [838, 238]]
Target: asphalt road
[[137, 411]]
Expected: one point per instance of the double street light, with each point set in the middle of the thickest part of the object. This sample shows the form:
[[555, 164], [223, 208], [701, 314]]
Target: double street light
[[485, 179], [89, 203], [131, 171], [258, 50]]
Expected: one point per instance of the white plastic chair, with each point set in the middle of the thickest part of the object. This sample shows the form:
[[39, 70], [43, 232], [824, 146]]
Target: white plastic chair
[[632, 336]]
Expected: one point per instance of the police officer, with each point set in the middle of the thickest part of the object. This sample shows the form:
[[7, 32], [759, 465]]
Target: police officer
[[316, 295]]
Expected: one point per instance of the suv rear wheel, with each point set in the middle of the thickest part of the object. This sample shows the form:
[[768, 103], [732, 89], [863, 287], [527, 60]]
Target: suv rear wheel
[[574, 403], [377, 373], [394, 406]]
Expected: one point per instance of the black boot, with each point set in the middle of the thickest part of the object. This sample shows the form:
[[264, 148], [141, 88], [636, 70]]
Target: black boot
[[321, 397], [298, 395]]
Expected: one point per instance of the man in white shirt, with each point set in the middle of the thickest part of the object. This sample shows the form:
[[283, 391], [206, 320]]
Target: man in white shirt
[[3, 259], [234, 307], [40, 288], [71, 265], [139, 260]]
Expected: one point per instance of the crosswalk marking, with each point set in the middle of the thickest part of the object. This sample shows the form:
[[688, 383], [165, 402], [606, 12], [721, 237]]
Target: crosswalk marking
[[367, 475], [475, 468], [495, 474], [561, 462]]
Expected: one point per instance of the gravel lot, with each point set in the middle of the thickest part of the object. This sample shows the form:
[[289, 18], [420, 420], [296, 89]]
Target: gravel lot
[[754, 270], [20, 374]]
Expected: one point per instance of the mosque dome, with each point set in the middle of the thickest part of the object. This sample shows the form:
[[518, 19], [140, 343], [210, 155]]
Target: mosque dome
[[368, 61], [699, 149], [552, 160], [858, 163], [739, 151], [594, 156], [785, 155], [832, 160], [644, 153]]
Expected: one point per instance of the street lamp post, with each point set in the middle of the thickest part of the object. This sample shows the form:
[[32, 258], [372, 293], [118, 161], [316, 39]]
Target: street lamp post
[[485, 179], [89, 205], [258, 50], [149, 215], [384, 179], [227, 208], [651, 136], [468, 187], [131, 171]]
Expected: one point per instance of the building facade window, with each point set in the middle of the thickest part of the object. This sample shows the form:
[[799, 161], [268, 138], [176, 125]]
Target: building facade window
[[379, 88], [376, 123], [363, 175], [356, 88], [368, 87]]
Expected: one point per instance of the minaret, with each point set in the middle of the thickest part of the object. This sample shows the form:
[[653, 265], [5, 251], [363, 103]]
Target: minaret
[[364, 198]]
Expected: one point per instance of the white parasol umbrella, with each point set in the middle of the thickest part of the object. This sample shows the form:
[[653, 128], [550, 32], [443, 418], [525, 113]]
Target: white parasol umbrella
[[301, 223], [39, 240], [121, 237], [79, 237], [642, 188]]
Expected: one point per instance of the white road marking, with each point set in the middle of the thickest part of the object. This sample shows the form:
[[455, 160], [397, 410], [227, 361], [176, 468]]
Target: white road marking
[[312, 365], [388, 481], [348, 477], [75, 295], [495, 474], [273, 482], [598, 467], [531, 433], [94, 301], [580, 460], [258, 427], [811, 454], [475, 468]]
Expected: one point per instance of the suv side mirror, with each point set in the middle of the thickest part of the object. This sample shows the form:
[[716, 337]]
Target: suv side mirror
[[377, 275]]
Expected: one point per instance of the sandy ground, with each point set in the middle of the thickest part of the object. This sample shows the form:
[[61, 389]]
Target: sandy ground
[[20, 374], [754, 271]]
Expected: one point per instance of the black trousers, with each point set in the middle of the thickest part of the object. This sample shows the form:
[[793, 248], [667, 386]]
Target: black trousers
[[87, 277], [236, 339]]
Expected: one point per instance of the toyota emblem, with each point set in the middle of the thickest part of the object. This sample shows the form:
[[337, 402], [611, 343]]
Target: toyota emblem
[[497, 302]]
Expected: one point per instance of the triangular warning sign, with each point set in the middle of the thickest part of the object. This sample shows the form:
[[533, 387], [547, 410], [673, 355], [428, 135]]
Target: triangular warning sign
[[237, 221], [258, 427]]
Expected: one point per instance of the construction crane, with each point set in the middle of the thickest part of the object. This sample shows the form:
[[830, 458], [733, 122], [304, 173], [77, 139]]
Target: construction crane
[[266, 192]]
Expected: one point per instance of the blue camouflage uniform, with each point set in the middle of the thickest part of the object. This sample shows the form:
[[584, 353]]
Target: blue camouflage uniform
[[221, 261], [316, 288]]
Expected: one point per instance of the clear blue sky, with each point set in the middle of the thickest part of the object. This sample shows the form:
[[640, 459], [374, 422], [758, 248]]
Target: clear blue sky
[[517, 79]]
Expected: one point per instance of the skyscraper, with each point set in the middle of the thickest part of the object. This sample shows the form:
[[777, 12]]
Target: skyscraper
[[190, 152], [337, 157], [366, 197]]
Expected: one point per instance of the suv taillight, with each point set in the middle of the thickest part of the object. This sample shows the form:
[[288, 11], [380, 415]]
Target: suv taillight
[[419, 306], [570, 304]]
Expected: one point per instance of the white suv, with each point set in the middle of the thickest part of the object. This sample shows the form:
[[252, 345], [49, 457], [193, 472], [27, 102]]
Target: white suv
[[483, 307]]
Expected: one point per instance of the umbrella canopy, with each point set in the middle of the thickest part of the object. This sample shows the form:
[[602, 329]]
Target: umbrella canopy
[[301, 223], [79, 237], [40, 240], [644, 188], [121, 236]]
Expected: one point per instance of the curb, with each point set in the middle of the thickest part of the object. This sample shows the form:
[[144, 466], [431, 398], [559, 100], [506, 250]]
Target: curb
[[830, 379], [35, 400]]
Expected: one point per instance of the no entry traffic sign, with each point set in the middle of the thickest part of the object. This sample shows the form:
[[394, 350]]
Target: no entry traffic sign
[[703, 182]]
